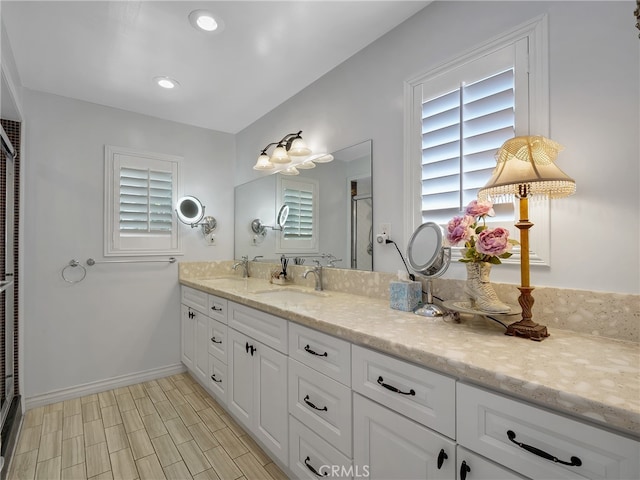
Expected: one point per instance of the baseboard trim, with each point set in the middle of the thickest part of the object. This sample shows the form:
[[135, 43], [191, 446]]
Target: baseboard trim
[[101, 386]]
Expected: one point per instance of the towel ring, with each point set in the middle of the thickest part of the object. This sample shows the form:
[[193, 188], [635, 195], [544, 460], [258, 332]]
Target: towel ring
[[73, 264]]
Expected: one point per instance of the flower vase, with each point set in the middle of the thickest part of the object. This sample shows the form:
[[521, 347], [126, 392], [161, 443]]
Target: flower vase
[[479, 290]]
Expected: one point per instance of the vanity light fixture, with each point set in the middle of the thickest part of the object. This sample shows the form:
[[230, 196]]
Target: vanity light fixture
[[525, 168], [166, 82], [291, 145], [291, 171]]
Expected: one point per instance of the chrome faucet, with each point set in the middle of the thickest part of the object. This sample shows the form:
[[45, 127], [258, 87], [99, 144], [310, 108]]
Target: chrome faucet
[[245, 266], [317, 271]]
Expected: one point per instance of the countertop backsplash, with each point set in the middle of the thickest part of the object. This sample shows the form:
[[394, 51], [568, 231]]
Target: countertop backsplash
[[611, 315]]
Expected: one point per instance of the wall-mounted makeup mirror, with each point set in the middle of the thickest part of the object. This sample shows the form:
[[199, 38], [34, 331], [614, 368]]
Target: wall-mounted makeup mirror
[[190, 211], [342, 212], [429, 258], [259, 228]]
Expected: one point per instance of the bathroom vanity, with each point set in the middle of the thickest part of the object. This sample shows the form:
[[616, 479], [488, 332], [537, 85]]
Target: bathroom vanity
[[335, 384]]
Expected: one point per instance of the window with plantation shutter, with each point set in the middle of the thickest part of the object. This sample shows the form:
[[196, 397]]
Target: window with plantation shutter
[[300, 232], [140, 194], [300, 221], [460, 113], [461, 131]]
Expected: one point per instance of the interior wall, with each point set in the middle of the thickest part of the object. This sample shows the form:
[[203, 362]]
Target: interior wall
[[122, 318], [594, 77]]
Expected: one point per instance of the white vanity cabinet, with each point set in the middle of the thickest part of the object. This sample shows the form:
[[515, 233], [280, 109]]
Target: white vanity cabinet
[[540, 444], [203, 339], [257, 380], [471, 466]]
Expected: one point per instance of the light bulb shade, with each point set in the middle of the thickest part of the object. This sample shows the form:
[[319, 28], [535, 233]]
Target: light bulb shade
[[299, 148], [527, 163], [279, 155], [290, 171], [263, 163], [326, 158], [306, 165]]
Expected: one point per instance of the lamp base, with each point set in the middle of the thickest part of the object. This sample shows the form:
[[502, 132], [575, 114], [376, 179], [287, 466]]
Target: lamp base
[[534, 330], [526, 327]]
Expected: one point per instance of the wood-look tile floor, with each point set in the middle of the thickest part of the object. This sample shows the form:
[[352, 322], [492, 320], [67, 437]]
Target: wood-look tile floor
[[169, 428]]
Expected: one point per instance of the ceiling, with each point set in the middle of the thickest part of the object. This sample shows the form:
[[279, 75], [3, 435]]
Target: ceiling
[[109, 52]]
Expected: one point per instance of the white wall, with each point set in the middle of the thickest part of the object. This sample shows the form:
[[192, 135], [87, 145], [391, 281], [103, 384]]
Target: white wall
[[121, 319], [594, 78]]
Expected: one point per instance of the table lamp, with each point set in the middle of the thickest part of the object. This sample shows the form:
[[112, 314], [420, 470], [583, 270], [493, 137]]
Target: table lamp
[[525, 168]]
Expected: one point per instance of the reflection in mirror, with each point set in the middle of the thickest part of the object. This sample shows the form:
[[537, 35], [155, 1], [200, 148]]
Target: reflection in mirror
[[344, 212], [261, 229], [428, 257]]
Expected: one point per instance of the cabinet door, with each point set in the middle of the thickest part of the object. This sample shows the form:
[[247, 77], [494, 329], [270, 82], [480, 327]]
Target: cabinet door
[[240, 377], [474, 467], [201, 340], [389, 445], [187, 337], [270, 400]]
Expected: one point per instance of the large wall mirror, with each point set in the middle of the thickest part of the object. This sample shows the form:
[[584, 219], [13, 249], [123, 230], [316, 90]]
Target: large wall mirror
[[330, 213]]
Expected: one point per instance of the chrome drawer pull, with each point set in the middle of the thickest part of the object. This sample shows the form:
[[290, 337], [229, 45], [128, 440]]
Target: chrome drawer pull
[[213, 339], [306, 400], [464, 469], [308, 350], [213, 377], [394, 389], [575, 461], [310, 467]]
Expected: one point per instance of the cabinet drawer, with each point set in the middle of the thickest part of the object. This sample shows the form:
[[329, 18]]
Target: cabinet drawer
[[425, 396], [218, 340], [261, 326], [218, 308], [312, 457], [217, 380], [490, 424], [322, 352], [195, 299], [322, 404], [471, 466]]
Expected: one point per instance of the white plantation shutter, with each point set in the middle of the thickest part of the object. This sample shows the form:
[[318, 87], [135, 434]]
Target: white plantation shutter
[[146, 199], [300, 221], [140, 191], [461, 131]]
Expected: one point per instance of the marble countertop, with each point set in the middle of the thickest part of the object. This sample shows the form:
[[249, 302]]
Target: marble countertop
[[587, 376]]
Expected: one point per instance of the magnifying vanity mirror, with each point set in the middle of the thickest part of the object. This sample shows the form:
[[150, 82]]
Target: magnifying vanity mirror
[[259, 228], [190, 211], [430, 258]]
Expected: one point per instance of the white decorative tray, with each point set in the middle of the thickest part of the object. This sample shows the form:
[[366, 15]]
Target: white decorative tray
[[464, 306]]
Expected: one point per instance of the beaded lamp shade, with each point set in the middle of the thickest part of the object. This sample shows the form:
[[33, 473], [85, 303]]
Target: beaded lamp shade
[[527, 162]]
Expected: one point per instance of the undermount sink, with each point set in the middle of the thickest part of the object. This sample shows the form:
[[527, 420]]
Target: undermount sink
[[237, 278], [290, 294]]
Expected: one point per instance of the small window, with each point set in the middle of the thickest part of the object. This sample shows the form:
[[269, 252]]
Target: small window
[[140, 192], [300, 232], [458, 116]]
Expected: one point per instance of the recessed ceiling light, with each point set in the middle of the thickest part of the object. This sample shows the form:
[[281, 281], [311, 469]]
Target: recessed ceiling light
[[166, 82], [205, 21]]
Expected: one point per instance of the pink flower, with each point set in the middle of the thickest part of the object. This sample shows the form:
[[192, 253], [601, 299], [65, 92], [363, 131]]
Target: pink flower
[[480, 209], [459, 229], [493, 242]]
